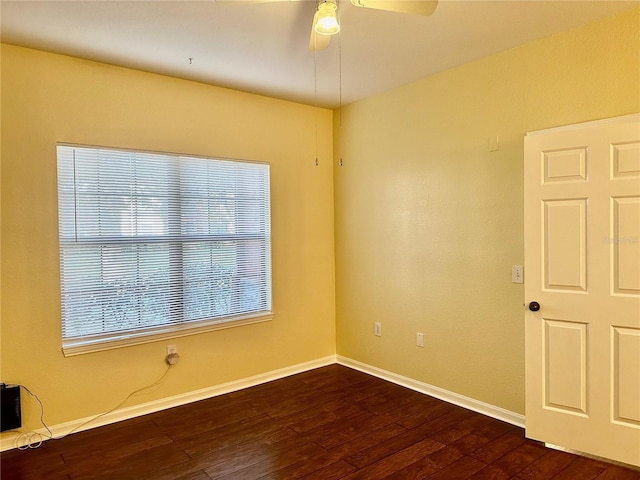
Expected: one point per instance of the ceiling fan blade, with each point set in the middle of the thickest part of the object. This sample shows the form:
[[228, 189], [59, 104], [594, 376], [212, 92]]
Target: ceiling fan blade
[[317, 41], [248, 2], [415, 7]]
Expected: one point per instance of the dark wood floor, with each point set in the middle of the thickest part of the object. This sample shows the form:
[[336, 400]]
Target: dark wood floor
[[329, 423]]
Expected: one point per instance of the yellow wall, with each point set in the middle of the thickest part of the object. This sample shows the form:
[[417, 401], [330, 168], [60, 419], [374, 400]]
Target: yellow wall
[[48, 98], [429, 222]]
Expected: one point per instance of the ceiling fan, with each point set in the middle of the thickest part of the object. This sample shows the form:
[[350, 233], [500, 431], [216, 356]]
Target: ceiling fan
[[325, 20]]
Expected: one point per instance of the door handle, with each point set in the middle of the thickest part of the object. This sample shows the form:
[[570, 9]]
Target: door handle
[[534, 306]]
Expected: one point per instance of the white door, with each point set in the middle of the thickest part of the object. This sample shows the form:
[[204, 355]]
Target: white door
[[582, 266]]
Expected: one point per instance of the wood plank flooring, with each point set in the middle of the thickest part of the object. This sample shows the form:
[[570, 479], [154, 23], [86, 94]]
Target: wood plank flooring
[[327, 424]]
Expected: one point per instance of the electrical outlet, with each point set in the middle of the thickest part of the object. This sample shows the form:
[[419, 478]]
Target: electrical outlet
[[493, 143], [419, 339], [378, 329], [172, 355]]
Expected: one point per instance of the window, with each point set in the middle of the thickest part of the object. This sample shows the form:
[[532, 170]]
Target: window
[[159, 245]]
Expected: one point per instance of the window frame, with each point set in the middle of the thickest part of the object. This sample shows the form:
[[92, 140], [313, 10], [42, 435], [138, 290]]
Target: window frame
[[83, 343]]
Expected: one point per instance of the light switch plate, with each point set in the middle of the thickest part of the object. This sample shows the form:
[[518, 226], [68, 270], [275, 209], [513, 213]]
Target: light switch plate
[[517, 274]]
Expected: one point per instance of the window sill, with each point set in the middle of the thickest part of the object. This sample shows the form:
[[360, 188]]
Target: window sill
[[79, 346]]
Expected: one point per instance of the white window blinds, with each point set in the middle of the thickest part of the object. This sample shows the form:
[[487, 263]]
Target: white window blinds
[[153, 244]]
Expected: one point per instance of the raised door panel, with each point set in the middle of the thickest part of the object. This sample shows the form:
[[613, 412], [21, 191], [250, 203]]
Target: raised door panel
[[565, 366], [565, 244]]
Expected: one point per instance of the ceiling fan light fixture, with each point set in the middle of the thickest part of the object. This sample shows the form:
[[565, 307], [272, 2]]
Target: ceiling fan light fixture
[[327, 20]]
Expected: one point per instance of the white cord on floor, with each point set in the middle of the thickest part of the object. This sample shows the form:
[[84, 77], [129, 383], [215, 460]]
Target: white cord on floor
[[32, 440]]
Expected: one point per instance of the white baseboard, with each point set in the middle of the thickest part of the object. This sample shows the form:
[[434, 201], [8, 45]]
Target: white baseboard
[[440, 393], [12, 440]]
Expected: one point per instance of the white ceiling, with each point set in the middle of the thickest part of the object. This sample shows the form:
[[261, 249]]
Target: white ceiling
[[263, 48]]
